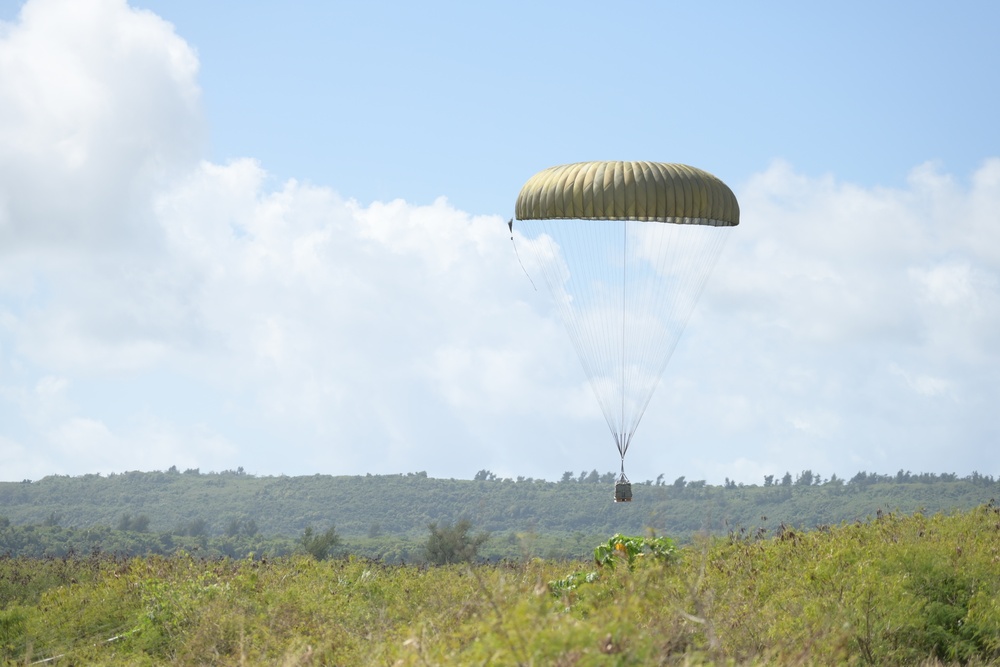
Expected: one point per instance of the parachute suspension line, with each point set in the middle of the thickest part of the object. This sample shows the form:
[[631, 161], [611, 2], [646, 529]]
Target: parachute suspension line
[[624, 334], [690, 265], [510, 226], [622, 479], [557, 245], [624, 387]]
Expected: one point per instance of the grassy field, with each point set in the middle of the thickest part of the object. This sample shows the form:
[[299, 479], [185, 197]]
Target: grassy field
[[897, 590]]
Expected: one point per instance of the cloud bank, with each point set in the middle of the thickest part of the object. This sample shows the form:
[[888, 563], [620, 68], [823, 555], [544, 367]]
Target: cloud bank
[[159, 309]]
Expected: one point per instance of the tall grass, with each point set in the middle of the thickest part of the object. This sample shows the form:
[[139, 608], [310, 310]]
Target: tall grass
[[897, 590]]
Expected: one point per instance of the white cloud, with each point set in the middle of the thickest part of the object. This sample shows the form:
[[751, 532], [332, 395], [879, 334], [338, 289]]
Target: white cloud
[[83, 443], [98, 104], [925, 385], [947, 285], [156, 310], [828, 295], [19, 461]]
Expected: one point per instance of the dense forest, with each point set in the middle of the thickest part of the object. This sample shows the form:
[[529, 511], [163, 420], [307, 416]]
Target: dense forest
[[232, 513]]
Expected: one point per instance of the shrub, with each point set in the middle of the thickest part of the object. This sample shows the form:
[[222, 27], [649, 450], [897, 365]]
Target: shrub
[[453, 543]]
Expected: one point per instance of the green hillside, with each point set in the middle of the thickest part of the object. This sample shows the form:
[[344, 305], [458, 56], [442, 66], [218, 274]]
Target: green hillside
[[377, 512]]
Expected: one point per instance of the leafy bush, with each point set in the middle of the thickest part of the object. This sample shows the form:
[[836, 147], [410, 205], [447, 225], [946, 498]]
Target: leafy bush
[[319, 546], [453, 543], [629, 549]]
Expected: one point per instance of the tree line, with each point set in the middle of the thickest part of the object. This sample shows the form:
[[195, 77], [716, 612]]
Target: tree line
[[388, 516]]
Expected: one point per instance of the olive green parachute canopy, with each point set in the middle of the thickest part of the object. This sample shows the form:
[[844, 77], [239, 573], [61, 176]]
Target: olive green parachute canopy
[[644, 191]]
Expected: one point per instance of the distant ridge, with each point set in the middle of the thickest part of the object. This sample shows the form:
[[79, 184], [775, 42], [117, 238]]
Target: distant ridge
[[403, 505]]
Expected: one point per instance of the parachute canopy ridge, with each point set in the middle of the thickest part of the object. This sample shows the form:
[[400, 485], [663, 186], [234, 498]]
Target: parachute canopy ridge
[[643, 191]]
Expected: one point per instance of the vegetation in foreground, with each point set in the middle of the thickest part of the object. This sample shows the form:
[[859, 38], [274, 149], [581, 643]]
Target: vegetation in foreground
[[896, 590]]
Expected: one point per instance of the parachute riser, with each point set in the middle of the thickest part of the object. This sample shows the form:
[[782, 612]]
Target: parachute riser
[[622, 442]]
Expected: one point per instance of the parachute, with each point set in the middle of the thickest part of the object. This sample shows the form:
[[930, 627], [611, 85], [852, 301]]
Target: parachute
[[625, 249]]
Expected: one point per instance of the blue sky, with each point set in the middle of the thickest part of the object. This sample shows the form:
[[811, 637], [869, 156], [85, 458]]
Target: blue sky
[[244, 234], [385, 100]]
